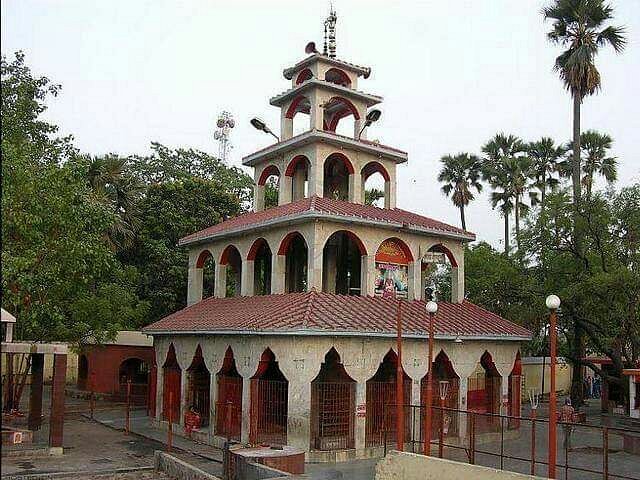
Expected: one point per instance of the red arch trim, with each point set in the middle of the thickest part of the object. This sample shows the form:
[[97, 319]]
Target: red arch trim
[[373, 167], [202, 258], [403, 246], [347, 103], [293, 164], [267, 172], [286, 241], [303, 76], [361, 248], [345, 78], [291, 111], [253, 251], [345, 160], [442, 249], [224, 258]]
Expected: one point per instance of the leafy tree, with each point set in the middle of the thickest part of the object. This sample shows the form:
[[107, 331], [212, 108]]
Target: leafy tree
[[545, 156], [581, 27], [460, 174], [271, 192], [372, 195], [59, 276]]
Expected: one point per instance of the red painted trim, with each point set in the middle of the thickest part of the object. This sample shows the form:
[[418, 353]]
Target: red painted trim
[[442, 249], [405, 248], [303, 76], [267, 172], [344, 159], [253, 251], [350, 106], [346, 81], [293, 164], [224, 258], [361, 248], [202, 259], [375, 167], [286, 242], [292, 110]]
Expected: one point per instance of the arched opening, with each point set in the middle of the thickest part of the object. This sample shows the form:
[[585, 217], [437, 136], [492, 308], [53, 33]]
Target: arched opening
[[515, 398], [294, 248], [438, 274], [233, 261], [207, 269], [338, 77], [342, 263], [483, 393], [136, 371], [337, 169], [375, 185], [333, 405], [269, 402], [303, 76], [171, 387], [270, 179], [83, 372], [199, 387], [442, 372], [392, 268], [298, 170], [381, 403], [229, 400], [300, 124], [337, 109], [260, 253]]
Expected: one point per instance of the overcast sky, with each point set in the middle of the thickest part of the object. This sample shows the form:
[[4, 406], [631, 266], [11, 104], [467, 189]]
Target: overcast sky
[[452, 73]]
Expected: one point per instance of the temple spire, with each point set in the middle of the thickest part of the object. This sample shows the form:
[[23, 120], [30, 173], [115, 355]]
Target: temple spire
[[330, 34]]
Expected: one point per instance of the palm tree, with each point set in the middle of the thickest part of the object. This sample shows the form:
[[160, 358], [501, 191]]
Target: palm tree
[[594, 146], [545, 156], [500, 176], [579, 25], [460, 175]]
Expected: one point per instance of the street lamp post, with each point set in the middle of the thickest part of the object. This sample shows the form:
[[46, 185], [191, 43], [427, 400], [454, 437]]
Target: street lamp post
[[553, 302], [432, 308]]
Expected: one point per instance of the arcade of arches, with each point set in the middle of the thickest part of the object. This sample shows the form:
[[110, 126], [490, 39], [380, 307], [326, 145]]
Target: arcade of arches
[[344, 410]]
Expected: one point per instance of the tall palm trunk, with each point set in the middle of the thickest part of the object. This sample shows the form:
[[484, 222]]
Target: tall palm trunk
[[506, 233], [517, 213], [575, 174], [543, 189], [464, 224]]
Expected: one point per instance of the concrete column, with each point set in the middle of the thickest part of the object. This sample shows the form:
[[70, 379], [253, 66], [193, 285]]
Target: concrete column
[[213, 398], [246, 408], [316, 177], [357, 126], [504, 397], [329, 271], [314, 267], [316, 112], [159, 393], [35, 392], [194, 284], [221, 281], [355, 188], [462, 405], [286, 126], [184, 390], [457, 284], [246, 283], [284, 190], [387, 195], [297, 190], [258, 198], [368, 267], [415, 279], [392, 192], [278, 265], [360, 427], [56, 419]]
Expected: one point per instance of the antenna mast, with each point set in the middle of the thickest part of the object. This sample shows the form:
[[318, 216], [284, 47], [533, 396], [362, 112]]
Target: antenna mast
[[330, 26], [224, 125]]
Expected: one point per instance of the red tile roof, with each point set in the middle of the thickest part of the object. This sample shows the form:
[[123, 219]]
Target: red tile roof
[[321, 206], [331, 313]]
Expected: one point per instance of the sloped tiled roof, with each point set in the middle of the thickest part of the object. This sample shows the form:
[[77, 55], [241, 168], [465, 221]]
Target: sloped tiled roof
[[327, 313], [318, 207]]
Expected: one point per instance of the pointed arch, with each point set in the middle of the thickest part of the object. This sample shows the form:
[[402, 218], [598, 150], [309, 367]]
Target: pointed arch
[[299, 104], [303, 76], [337, 76], [228, 422], [171, 387], [271, 170], [443, 371]]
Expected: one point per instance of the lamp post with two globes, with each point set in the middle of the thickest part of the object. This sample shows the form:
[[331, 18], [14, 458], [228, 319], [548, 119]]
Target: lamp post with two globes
[[553, 302], [432, 308]]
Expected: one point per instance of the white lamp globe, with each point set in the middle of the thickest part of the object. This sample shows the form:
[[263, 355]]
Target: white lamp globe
[[432, 307], [553, 302]]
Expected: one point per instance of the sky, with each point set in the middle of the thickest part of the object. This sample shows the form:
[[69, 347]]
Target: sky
[[452, 75]]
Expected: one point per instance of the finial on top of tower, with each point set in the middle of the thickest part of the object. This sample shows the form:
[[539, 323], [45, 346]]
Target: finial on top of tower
[[330, 30]]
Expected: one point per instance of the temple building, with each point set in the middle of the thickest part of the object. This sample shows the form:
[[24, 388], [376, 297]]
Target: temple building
[[289, 334]]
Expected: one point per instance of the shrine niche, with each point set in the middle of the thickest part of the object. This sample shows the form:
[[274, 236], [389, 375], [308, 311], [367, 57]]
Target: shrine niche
[[392, 269]]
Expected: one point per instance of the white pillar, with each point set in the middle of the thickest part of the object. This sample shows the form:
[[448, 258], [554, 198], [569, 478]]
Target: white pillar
[[462, 406], [221, 281], [159, 392], [284, 190], [314, 267], [286, 126], [633, 413], [415, 279], [246, 408], [457, 284], [504, 397], [360, 426], [258, 198], [194, 284], [183, 394], [316, 177], [387, 195], [368, 267], [278, 266], [355, 193], [246, 283], [213, 398]]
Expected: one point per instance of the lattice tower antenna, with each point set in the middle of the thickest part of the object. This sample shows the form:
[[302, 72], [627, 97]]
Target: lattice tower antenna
[[224, 124]]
